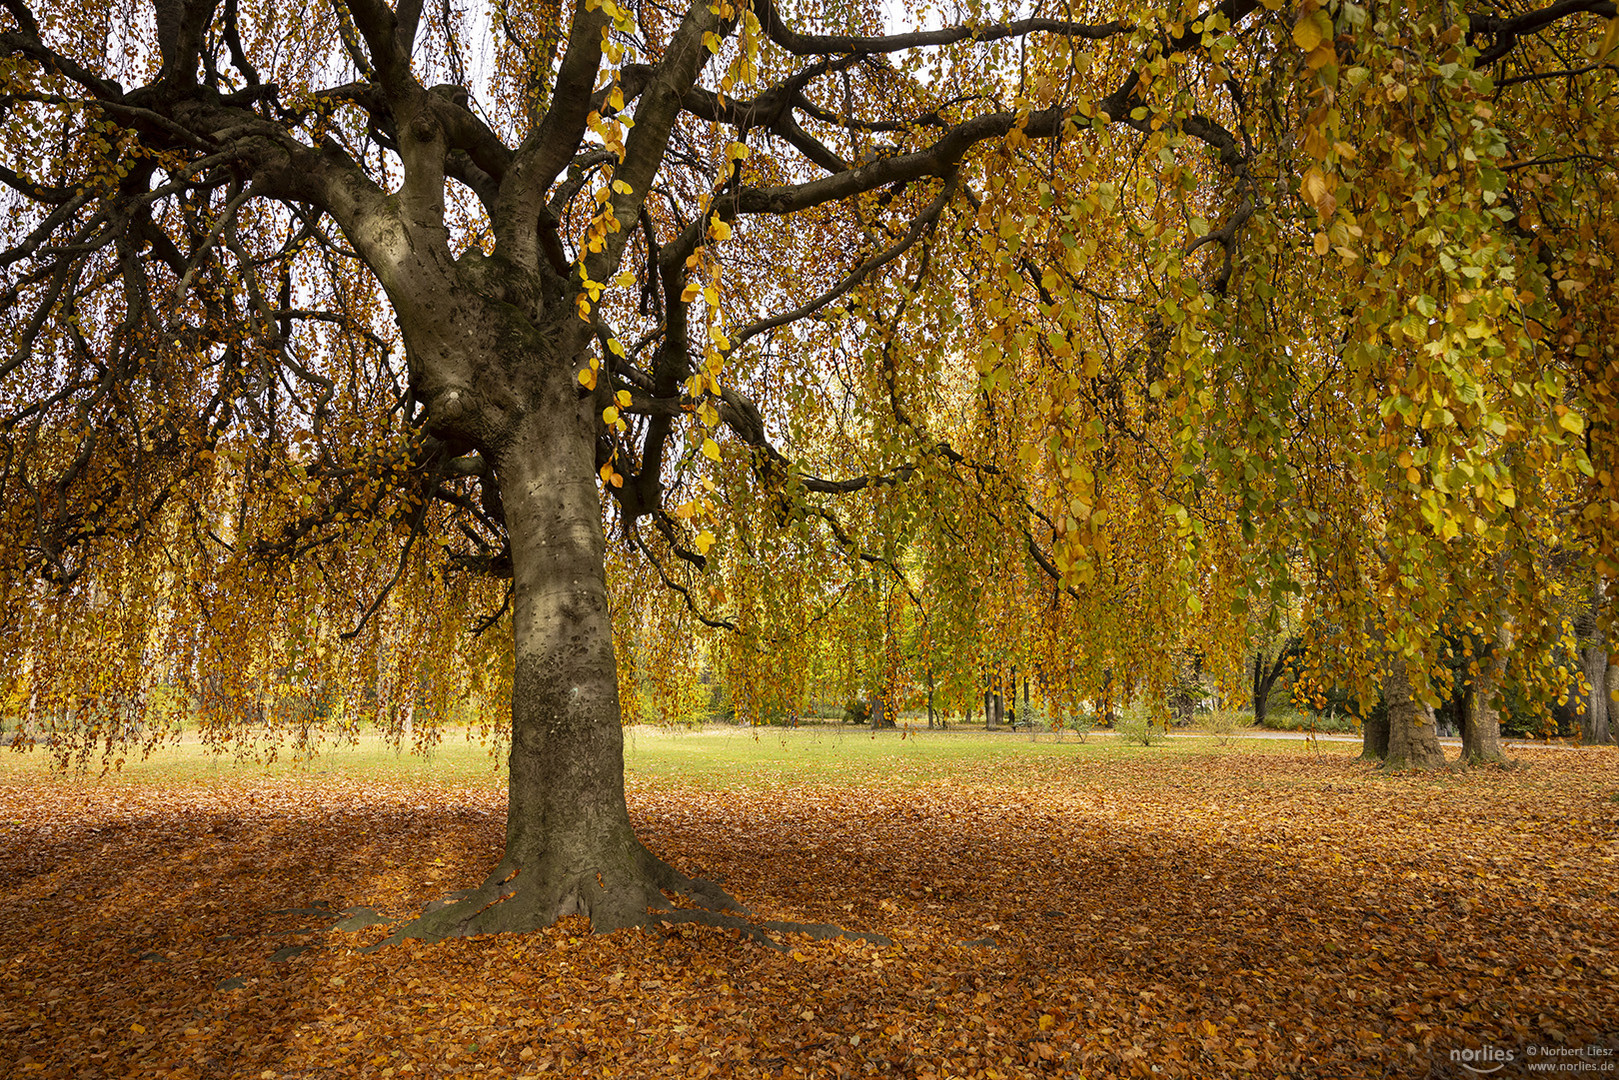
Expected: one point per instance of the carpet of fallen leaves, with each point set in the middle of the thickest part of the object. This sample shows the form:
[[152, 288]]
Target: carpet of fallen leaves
[[1230, 915]]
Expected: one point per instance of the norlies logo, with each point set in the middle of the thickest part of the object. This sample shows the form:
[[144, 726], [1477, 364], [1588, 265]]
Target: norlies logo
[[1483, 1060]]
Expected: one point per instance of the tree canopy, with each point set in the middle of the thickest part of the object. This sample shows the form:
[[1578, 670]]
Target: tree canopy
[[1084, 339]]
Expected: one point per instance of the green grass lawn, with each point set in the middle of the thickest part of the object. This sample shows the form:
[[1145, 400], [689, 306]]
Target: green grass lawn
[[718, 756]]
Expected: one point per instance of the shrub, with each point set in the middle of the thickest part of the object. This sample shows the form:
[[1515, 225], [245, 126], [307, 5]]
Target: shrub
[[1082, 726], [1222, 724], [1034, 719], [1139, 729], [1327, 723], [857, 711]]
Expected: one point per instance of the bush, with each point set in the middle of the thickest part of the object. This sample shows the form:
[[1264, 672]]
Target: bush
[[1222, 724], [1139, 729], [1327, 723], [1082, 726], [1034, 719], [857, 711]]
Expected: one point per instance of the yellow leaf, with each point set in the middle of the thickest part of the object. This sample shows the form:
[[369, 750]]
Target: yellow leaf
[[623, 399], [711, 449], [689, 293], [1609, 40], [1322, 55], [1047, 1021], [1317, 191], [1571, 422], [705, 540], [587, 378], [606, 473], [137, 1029], [1320, 243], [720, 230], [1306, 33], [610, 415], [1508, 497]]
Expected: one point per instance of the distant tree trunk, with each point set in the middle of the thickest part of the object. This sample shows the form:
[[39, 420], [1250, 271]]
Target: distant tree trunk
[[930, 699], [1261, 691], [880, 717], [1267, 672], [1012, 697], [1481, 718], [1413, 741]]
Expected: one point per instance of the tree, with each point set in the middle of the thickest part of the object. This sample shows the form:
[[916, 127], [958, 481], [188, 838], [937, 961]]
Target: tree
[[334, 308], [1267, 671]]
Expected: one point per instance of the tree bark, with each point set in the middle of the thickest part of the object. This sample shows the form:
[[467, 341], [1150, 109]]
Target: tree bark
[[1375, 738], [1610, 687], [879, 715], [1261, 690], [1481, 716], [570, 847], [1594, 724], [1012, 697], [1413, 740]]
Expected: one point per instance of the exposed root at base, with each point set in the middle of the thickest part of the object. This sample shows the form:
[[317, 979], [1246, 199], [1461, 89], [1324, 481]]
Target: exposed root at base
[[756, 928], [515, 900]]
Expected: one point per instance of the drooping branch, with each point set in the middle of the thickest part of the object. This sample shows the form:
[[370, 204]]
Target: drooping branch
[[801, 44]]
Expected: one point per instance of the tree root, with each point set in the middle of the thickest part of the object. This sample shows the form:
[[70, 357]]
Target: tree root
[[756, 929], [612, 901], [516, 898]]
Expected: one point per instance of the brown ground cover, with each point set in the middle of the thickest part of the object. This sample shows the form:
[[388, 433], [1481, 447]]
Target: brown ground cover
[[1229, 914]]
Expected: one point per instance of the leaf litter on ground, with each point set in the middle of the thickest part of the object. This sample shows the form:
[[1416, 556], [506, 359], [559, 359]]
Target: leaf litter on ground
[[1232, 914]]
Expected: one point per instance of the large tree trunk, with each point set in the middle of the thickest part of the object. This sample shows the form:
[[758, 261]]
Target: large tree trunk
[[570, 848], [1413, 741], [1374, 744], [1610, 687], [1481, 717], [1594, 724]]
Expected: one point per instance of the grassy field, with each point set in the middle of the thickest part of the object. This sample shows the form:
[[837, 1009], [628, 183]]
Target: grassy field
[[706, 757], [1262, 908]]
